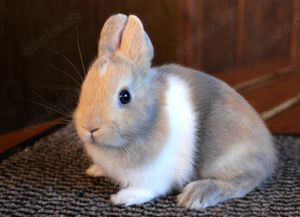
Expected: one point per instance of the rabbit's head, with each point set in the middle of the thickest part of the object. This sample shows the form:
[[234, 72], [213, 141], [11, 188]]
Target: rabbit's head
[[118, 103]]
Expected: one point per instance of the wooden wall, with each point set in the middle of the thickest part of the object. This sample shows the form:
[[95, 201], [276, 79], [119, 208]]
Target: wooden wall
[[231, 33], [210, 35], [34, 34]]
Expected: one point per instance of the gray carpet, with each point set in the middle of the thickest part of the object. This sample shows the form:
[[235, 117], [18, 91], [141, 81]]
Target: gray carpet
[[47, 179]]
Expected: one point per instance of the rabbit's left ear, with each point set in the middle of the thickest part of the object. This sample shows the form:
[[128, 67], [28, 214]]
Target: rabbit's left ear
[[135, 43], [111, 34]]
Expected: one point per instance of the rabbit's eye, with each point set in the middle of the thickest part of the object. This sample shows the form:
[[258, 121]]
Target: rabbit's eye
[[124, 96]]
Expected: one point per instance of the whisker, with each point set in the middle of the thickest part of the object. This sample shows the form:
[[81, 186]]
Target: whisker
[[73, 142], [66, 121], [64, 107], [60, 70], [79, 51], [49, 104], [67, 109], [68, 60], [61, 87], [68, 140], [45, 106]]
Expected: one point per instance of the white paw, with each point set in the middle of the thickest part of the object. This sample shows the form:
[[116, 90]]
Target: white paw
[[131, 196], [94, 171]]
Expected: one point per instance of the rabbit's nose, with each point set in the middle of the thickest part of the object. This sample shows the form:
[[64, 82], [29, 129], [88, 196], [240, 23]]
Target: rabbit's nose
[[92, 133], [93, 130]]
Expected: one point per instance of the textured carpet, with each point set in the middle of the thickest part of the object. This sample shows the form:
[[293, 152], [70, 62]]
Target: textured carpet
[[47, 179]]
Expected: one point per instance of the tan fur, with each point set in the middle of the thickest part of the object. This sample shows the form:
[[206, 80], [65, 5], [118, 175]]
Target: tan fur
[[111, 35], [116, 68], [212, 133], [133, 33]]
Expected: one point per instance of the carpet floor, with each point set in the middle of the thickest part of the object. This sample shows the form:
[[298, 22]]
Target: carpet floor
[[48, 179]]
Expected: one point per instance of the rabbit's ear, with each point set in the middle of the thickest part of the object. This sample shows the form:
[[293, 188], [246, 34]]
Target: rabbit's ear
[[111, 35], [135, 43]]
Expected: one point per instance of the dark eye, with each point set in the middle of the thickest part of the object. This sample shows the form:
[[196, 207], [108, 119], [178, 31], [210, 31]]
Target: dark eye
[[124, 96]]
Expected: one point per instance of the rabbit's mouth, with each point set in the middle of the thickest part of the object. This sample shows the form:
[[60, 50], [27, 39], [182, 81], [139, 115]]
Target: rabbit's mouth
[[108, 141]]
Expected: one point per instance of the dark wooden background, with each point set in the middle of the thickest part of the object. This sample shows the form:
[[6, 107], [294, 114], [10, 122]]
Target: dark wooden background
[[209, 35]]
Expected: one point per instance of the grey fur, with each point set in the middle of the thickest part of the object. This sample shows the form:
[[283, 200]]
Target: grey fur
[[225, 120], [235, 152]]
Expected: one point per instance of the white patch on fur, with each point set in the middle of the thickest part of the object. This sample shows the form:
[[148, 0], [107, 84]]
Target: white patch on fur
[[103, 68], [174, 163], [182, 127]]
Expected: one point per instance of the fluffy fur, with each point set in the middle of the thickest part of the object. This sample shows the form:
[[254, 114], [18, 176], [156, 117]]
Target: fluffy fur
[[182, 129]]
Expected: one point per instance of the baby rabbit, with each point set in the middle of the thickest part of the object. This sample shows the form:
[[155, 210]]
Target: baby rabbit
[[170, 127]]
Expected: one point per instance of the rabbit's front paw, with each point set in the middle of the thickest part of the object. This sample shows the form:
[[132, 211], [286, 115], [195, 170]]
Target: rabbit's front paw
[[131, 196], [94, 171]]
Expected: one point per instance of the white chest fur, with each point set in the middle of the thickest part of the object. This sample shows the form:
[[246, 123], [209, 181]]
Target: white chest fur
[[174, 163]]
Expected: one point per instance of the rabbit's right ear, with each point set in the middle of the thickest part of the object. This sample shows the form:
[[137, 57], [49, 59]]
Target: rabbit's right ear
[[111, 35], [135, 43]]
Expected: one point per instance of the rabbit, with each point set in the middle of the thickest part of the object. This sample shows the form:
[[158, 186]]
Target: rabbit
[[155, 130]]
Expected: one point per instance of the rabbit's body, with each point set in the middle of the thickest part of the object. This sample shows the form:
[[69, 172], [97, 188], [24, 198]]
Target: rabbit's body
[[166, 158], [181, 128]]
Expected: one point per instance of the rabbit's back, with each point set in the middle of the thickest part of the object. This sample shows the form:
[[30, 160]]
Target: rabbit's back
[[229, 131]]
